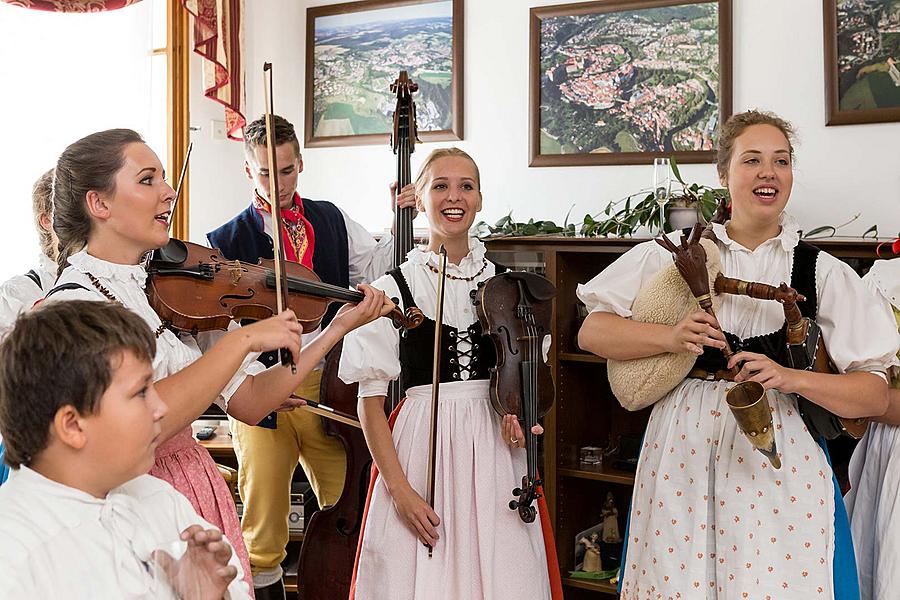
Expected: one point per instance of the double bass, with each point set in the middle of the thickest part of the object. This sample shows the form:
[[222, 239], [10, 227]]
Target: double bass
[[328, 553]]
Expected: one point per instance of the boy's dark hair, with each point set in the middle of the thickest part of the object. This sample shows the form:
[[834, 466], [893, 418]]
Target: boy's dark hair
[[255, 134], [61, 353]]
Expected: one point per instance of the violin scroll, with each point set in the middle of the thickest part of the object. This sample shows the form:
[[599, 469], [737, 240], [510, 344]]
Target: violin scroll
[[527, 494]]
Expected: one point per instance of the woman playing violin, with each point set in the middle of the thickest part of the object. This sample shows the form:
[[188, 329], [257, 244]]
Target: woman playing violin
[[111, 206], [481, 548]]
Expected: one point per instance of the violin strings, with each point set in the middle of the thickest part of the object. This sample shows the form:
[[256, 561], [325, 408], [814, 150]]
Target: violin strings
[[314, 286]]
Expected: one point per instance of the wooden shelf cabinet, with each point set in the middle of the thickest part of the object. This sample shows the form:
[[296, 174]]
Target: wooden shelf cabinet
[[585, 412]]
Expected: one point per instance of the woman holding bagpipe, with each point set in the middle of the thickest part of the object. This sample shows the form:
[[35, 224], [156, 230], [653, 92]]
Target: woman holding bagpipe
[[466, 543], [875, 466], [711, 517], [111, 206]]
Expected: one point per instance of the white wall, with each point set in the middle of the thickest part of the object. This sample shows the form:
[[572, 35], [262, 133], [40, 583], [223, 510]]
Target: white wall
[[778, 65]]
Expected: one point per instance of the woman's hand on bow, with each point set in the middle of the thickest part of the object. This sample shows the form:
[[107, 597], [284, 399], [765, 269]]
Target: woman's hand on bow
[[764, 370], [511, 432], [420, 517], [274, 333], [695, 331]]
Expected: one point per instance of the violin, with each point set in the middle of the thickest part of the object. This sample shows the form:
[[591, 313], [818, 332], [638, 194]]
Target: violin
[[516, 309], [193, 288]]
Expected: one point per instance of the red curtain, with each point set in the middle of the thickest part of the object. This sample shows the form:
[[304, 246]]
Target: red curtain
[[69, 6], [217, 38]]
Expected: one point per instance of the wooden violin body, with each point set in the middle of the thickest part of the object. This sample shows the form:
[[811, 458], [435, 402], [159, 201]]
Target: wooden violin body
[[516, 309], [193, 288]]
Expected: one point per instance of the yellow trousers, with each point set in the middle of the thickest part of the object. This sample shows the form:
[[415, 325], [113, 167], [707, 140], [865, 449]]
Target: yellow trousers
[[267, 458]]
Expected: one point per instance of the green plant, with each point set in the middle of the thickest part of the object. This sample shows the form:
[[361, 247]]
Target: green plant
[[507, 226], [627, 219], [620, 218]]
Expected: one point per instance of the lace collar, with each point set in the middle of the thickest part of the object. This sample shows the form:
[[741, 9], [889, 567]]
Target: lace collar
[[85, 263], [788, 237], [469, 266]]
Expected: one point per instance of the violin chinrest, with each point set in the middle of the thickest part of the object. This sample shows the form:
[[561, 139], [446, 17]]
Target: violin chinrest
[[174, 253]]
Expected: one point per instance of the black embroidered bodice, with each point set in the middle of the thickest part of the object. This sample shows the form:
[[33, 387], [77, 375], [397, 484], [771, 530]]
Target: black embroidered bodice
[[774, 344], [417, 349]]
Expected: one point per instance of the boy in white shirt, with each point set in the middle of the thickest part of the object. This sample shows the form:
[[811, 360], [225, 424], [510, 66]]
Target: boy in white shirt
[[79, 516]]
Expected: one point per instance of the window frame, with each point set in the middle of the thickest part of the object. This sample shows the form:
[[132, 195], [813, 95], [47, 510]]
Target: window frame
[[177, 51]]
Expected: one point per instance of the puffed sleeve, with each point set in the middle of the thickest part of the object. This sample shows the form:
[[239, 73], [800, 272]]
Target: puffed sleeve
[[371, 354], [614, 288], [858, 329]]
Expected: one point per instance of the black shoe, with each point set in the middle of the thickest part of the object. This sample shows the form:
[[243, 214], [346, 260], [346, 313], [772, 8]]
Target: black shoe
[[274, 591]]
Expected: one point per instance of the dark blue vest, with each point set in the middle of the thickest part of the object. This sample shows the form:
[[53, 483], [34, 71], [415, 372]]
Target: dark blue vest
[[243, 238]]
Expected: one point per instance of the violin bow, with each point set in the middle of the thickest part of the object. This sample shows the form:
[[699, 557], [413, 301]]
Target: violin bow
[[323, 410], [436, 380], [184, 166], [281, 287]]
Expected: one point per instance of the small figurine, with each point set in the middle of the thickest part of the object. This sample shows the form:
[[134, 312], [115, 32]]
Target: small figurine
[[591, 554], [610, 516]]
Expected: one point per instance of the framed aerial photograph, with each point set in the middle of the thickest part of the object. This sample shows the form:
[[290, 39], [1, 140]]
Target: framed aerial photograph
[[862, 61], [355, 51], [626, 81]]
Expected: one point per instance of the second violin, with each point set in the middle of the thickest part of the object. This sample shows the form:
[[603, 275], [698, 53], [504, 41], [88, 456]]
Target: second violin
[[515, 309]]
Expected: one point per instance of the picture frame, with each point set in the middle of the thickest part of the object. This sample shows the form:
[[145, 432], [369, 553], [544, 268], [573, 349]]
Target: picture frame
[[862, 62], [349, 102], [595, 67]]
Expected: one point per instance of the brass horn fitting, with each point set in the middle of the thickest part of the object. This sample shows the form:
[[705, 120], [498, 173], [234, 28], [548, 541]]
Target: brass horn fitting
[[750, 407]]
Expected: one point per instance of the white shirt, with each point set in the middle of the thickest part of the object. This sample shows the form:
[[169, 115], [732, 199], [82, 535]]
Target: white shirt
[[126, 283], [857, 332], [19, 293], [371, 353], [60, 542]]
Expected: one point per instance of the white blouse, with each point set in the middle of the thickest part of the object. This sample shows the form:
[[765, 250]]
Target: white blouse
[[60, 542], [371, 354], [19, 293], [855, 328], [126, 283]]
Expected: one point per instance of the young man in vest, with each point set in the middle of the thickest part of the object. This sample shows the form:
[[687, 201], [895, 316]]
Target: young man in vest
[[322, 237]]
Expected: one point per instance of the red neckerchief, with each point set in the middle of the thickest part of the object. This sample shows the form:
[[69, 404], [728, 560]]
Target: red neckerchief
[[298, 237]]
